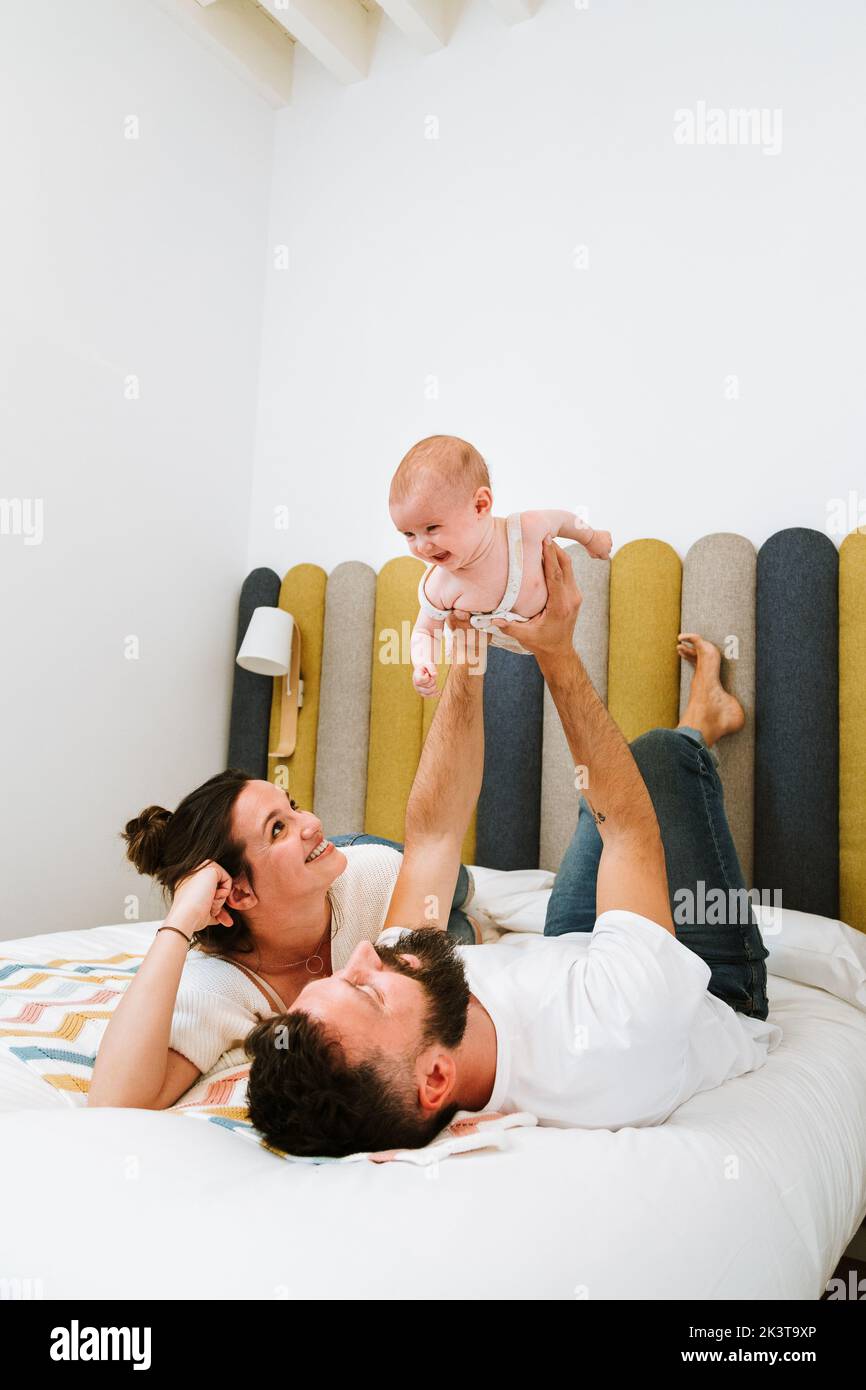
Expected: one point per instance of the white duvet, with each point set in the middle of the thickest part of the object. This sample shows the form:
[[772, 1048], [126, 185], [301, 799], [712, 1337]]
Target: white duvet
[[749, 1191]]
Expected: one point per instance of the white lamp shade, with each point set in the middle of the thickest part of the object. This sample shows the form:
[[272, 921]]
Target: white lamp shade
[[267, 646]]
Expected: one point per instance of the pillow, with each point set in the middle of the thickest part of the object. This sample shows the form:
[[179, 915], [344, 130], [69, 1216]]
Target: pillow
[[509, 899], [815, 950], [804, 947], [220, 1099]]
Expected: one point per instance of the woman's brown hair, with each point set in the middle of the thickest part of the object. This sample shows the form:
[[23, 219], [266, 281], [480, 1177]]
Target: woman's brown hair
[[168, 845]]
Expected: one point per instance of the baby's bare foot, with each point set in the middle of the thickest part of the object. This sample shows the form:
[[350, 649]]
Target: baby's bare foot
[[711, 708]]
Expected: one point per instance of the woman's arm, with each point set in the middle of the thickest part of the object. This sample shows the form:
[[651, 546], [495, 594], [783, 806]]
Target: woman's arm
[[444, 792], [132, 1064], [135, 1065]]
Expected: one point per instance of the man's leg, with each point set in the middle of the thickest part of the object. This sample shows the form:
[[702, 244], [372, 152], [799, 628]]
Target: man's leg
[[679, 769], [572, 900], [460, 927]]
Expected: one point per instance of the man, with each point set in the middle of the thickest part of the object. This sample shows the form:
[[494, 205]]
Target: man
[[600, 1030]]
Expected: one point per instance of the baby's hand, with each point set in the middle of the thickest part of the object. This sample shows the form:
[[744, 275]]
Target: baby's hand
[[599, 546], [424, 679]]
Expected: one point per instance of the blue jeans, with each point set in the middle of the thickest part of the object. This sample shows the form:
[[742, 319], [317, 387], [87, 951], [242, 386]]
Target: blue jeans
[[681, 777], [459, 926]]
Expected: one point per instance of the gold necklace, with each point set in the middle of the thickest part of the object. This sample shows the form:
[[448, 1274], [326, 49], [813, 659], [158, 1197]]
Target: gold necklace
[[315, 956]]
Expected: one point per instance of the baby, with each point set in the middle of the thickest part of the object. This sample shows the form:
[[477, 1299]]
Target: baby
[[489, 566]]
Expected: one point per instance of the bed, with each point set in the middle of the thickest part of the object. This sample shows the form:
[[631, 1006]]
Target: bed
[[750, 1191]]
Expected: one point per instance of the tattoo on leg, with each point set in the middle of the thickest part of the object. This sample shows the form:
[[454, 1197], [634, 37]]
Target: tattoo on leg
[[598, 817]]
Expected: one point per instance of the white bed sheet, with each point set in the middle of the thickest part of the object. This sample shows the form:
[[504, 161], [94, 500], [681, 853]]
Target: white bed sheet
[[749, 1191]]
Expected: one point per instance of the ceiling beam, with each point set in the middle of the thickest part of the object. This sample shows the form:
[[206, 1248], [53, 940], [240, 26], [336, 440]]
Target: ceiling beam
[[245, 40], [427, 23], [340, 33], [514, 11]]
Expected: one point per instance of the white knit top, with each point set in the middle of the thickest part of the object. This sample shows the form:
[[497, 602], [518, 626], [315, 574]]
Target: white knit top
[[217, 1002]]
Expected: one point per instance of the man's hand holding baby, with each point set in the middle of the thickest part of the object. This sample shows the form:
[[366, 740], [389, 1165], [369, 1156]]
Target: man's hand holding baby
[[552, 630]]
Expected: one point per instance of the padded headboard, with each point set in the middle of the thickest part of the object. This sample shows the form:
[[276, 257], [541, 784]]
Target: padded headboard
[[791, 623]]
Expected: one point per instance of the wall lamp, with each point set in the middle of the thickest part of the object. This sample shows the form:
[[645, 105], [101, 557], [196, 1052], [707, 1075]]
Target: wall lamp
[[272, 647]]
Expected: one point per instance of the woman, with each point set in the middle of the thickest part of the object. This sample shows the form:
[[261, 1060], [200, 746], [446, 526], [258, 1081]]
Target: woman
[[266, 902]]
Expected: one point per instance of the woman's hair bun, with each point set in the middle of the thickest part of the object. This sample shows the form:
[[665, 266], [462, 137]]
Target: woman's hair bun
[[145, 838]]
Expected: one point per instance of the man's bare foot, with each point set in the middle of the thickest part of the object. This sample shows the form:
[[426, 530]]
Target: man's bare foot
[[710, 708]]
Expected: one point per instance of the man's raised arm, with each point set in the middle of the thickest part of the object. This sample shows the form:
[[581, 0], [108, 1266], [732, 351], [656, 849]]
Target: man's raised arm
[[632, 873], [444, 792]]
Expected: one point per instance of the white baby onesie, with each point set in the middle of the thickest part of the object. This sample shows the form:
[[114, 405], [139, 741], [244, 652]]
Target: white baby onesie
[[484, 621]]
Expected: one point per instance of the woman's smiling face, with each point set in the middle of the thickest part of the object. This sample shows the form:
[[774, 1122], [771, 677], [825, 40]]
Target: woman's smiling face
[[280, 839]]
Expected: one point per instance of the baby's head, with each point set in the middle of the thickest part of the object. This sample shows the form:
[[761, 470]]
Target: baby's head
[[440, 499]]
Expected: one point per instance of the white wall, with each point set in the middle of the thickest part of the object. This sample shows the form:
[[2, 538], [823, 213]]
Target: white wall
[[605, 387], [145, 257], [410, 259]]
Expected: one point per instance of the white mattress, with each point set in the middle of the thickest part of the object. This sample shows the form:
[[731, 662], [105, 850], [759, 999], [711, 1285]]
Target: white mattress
[[749, 1191]]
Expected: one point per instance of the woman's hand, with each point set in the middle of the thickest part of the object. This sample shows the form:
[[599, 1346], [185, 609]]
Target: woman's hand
[[199, 898], [551, 630], [136, 1065]]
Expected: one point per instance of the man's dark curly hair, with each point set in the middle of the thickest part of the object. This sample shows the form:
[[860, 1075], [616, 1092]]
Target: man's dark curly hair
[[305, 1098]]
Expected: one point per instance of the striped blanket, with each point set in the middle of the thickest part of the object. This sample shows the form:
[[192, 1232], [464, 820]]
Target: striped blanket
[[52, 1017]]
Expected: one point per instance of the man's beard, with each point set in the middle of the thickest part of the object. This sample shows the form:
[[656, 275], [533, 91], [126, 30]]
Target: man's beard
[[441, 976]]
